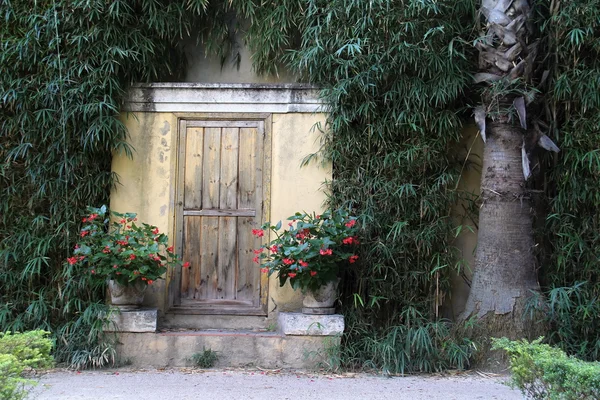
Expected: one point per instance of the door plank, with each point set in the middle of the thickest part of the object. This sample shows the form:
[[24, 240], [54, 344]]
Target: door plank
[[206, 282], [211, 168], [249, 156], [228, 185], [192, 239], [228, 258], [194, 148], [247, 269], [250, 196]]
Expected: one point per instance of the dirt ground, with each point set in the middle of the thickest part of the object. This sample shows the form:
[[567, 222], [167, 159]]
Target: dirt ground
[[226, 384]]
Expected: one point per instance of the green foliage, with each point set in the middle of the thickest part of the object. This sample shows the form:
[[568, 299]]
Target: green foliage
[[206, 359], [417, 345], [572, 35], [543, 372], [122, 250], [20, 352], [573, 316], [394, 75], [311, 252], [65, 68]]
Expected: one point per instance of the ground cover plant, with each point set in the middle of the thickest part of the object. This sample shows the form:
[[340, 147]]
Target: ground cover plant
[[20, 352], [544, 372]]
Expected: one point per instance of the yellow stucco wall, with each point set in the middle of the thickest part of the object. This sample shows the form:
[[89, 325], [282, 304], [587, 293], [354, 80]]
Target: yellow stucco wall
[[470, 150], [147, 181]]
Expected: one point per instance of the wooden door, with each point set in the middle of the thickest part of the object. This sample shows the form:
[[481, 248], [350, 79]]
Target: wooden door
[[223, 182]]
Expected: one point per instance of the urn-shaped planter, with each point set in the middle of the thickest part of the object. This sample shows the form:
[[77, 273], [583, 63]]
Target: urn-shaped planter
[[320, 301], [127, 297]]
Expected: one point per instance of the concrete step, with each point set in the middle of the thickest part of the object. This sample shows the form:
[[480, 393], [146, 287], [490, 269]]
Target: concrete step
[[234, 348], [229, 322]]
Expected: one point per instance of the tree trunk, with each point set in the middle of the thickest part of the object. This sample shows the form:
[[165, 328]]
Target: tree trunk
[[505, 272]]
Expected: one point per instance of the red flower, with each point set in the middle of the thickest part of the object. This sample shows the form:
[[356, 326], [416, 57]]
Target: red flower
[[132, 257], [350, 223], [93, 271], [170, 249], [123, 221], [318, 216], [348, 240], [292, 275], [115, 266], [106, 250], [264, 270], [258, 251], [290, 224], [84, 220], [353, 259], [128, 226], [274, 249], [258, 232], [72, 260], [326, 252], [76, 246], [144, 278], [303, 263], [92, 217], [150, 281], [255, 259], [313, 273], [288, 261], [136, 272], [155, 231], [83, 233], [186, 264]]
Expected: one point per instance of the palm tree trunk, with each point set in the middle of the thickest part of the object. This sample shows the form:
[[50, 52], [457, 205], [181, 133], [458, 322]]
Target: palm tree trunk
[[504, 273]]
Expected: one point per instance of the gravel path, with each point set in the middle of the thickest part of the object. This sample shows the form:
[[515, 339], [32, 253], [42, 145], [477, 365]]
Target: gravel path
[[250, 384]]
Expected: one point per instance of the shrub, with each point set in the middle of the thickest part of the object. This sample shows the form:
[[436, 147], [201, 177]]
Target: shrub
[[18, 352], [541, 371]]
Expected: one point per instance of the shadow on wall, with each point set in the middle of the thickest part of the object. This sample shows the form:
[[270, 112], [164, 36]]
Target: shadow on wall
[[465, 213]]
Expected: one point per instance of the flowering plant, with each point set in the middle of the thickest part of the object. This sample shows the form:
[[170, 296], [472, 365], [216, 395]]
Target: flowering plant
[[122, 250], [311, 251]]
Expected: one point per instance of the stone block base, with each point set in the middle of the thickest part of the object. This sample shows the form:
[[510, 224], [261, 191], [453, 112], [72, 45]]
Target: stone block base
[[142, 320], [311, 325]]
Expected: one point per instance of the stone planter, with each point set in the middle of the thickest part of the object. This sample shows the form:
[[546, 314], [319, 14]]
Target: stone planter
[[320, 302], [128, 297]]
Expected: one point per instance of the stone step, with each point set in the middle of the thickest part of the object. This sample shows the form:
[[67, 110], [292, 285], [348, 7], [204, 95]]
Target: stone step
[[296, 341], [234, 348], [194, 321]]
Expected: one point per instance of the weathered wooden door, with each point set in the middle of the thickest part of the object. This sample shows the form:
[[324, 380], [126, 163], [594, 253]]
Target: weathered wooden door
[[222, 196]]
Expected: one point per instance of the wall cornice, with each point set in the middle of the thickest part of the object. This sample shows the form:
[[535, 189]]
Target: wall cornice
[[224, 97]]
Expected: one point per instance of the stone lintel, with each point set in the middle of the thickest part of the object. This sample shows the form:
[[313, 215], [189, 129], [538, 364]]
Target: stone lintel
[[310, 325], [143, 320]]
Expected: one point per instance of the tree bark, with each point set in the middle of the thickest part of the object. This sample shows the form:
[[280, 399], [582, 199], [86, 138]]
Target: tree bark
[[505, 271]]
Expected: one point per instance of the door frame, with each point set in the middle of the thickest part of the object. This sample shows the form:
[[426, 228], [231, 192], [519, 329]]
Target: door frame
[[174, 274]]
